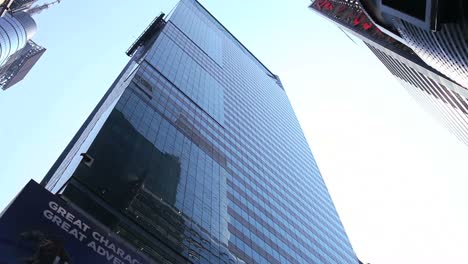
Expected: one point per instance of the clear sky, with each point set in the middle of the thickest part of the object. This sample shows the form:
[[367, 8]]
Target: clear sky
[[397, 177]]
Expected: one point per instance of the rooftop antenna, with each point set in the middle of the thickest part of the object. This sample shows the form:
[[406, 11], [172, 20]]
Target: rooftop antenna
[[39, 8]]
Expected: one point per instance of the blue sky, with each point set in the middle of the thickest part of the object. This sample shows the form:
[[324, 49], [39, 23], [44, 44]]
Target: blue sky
[[396, 175]]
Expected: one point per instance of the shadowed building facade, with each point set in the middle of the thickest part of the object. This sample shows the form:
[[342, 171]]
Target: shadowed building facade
[[195, 155], [435, 92]]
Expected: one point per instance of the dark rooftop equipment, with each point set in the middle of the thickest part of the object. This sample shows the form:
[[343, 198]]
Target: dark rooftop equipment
[[148, 34]]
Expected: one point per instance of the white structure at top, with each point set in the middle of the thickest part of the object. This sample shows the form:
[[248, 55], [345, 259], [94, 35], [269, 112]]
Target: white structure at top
[[15, 31]]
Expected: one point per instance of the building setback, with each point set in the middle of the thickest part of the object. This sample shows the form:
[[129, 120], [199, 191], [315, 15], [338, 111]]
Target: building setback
[[195, 155], [435, 92]]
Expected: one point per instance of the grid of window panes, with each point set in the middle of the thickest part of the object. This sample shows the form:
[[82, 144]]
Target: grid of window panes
[[445, 50], [241, 184], [430, 90]]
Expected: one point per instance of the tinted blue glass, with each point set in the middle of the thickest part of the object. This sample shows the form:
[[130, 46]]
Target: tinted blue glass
[[202, 159]]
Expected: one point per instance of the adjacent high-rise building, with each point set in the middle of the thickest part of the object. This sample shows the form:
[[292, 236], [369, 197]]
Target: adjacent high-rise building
[[436, 92], [19, 65], [437, 31], [16, 30], [195, 155], [18, 53]]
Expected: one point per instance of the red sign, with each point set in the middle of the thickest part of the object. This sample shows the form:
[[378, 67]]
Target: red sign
[[325, 4], [353, 17], [356, 17]]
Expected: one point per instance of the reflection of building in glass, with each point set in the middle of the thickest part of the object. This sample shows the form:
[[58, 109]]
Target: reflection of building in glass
[[195, 155], [144, 186], [436, 92]]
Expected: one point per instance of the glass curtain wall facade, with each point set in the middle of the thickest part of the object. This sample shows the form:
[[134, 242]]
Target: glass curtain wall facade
[[444, 99], [196, 156], [435, 92], [445, 50], [437, 31]]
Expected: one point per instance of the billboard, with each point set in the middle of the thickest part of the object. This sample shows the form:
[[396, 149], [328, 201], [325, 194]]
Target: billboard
[[40, 228]]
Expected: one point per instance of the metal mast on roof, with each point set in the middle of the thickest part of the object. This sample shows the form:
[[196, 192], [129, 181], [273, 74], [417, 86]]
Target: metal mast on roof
[[39, 8]]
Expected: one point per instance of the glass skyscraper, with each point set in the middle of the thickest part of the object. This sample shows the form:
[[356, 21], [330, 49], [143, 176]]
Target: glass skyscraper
[[437, 93], [195, 155], [437, 31]]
